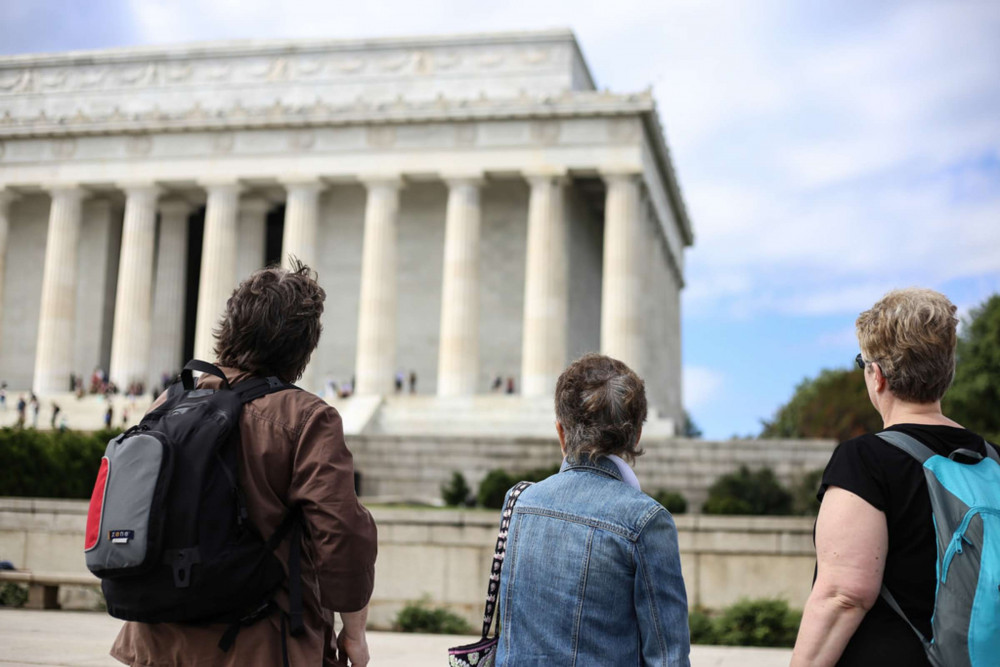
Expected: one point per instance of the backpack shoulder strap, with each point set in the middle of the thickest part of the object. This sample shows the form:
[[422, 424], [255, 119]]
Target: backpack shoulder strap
[[187, 376], [908, 444], [991, 452], [253, 388], [891, 601], [921, 453]]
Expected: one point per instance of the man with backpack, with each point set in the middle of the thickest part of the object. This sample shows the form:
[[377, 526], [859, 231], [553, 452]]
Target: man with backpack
[[293, 497]]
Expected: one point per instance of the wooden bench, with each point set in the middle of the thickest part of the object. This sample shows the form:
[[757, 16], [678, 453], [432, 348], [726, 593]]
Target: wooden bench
[[43, 587]]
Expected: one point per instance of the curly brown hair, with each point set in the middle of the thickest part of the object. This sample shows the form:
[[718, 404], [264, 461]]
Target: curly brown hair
[[911, 333], [272, 322], [601, 404]]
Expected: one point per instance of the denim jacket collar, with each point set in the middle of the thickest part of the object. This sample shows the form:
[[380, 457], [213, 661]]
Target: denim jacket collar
[[601, 464]]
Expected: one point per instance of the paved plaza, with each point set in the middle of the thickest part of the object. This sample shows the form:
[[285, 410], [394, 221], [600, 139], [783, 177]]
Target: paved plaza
[[82, 639]]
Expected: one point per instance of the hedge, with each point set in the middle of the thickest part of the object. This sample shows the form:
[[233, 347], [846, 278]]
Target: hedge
[[51, 464]]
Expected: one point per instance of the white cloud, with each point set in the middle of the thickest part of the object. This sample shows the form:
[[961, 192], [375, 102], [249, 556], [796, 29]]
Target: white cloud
[[827, 154], [702, 385]]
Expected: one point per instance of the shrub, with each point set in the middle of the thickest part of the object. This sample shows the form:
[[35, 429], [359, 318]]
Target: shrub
[[494, 487], [761, 622], [702, 627], [674, 502], [804, 493], [746, 492], [13, 595], [456, 491], [419, 616], [50, 464], [537, 474]]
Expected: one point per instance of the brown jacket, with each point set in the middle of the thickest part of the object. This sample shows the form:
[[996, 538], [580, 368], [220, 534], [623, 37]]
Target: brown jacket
[[292, 451]]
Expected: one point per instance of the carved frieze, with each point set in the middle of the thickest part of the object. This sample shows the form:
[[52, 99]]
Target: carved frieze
[[545, 132], [223, 142], [139, 145], [301, 140], [18, 82], [465, 134], [490, 60], [309, 67], [349, 65], [93, 78], [63, 148], [142, 75], [393, 63], [220, 72], [535, 56], [381, 136], [54, 80], [178, 73], [623, 129]]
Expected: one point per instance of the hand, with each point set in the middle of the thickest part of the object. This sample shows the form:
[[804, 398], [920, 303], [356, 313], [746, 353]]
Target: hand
[[353, 647]]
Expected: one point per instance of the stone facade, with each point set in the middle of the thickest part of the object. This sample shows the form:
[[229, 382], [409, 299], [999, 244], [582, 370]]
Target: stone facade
[[473, 205]]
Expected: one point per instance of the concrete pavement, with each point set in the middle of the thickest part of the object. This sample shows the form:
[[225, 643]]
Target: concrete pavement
[[82, 639]]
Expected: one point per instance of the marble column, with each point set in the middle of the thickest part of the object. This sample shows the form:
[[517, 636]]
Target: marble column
[[621, 291], [252, 235], [169, 291], [130, 335], [458, 356], [301, 221], [543, 353], [57, 318], [6, 197], [218, 264], [376, 357]]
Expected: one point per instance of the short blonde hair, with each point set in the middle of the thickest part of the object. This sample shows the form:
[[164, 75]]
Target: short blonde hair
[[912, 333]]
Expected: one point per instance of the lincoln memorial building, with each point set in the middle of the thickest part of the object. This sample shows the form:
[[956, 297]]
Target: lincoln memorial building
[[474, 206]]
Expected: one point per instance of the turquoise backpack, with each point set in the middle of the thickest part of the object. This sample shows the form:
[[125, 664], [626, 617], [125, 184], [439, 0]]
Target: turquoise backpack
[[965, 503]]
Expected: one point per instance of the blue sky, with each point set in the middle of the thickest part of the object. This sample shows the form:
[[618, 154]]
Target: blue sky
[[828, 152]]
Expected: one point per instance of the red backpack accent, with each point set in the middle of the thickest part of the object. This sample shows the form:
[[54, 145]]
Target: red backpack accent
[[97, 506]]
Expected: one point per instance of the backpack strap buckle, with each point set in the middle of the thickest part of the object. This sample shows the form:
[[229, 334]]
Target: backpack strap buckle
[[182, 560]]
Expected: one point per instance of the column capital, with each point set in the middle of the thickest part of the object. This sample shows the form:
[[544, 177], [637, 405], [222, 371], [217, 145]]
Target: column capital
[[614, 175], [380, 180], [221, 185], [174, 206], [69, 190], [303, 183], [140, 189], [254, 204], [542, 176], [463, 178]]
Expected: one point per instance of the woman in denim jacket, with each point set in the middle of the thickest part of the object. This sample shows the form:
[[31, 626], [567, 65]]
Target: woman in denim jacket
[[592, 574]]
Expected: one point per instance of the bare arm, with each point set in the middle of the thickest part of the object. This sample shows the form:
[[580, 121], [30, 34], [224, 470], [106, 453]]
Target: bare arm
[[852, 540], [352, 644]]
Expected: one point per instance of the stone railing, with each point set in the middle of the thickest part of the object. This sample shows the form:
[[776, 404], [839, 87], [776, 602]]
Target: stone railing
[[444, 555]]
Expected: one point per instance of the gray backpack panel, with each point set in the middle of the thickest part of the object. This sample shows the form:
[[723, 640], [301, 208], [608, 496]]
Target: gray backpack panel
[[133, 468]]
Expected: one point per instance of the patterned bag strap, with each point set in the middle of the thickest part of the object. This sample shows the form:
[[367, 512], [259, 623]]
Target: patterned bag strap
[[498, 554]]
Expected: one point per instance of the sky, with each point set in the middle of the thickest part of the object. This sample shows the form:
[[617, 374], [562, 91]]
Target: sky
[[827, 152]]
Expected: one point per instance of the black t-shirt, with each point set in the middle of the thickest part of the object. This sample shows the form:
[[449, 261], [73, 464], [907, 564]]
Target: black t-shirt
[[892, 481]]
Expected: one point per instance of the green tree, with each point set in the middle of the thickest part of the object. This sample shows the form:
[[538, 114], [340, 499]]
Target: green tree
[[690, 429], [974, 397], [834, 405]]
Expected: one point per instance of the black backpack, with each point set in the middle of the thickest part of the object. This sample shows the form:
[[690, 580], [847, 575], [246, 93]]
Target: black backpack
[[168, 531]]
